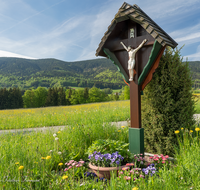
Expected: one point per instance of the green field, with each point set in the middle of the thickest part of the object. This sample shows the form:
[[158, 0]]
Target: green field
[[34, 160], [65, 115]]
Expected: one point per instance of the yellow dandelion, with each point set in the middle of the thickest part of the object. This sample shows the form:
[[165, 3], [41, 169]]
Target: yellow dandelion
[[48, 157], [60, 164], [191, 131], [177, 131], [21, 167], [119, 131], [197, 129], [64, 177], [17, 163], [35, 162], [135, 188], [59, 131], [43, 158], [182, 128], [122, 126]]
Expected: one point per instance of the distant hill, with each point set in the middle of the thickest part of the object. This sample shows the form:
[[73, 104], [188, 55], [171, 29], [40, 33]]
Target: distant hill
[[195, 69], [28, 73]]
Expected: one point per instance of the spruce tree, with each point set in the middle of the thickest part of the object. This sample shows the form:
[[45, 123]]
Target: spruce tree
[[167, 104]]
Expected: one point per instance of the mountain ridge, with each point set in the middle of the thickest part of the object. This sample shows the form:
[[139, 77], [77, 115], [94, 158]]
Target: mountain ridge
[[31, 73]]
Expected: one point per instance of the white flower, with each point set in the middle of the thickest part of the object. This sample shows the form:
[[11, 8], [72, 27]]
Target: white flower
[[59, 153], [51, 151], [54, 135], [56, 138]]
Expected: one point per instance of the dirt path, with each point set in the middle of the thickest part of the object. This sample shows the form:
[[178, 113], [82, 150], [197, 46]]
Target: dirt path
[[57, 128], [54, 128]]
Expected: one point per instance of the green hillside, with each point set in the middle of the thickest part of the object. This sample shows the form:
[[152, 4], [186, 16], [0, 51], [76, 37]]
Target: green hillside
[[25, 73]]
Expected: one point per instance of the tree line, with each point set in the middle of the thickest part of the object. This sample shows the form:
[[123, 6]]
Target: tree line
[[42, 97]]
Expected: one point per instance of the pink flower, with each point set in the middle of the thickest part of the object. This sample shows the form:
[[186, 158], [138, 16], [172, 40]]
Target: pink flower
[[166, 156], [127, 177], [161, 155], [81, 162], [141, 176], [69, 167], [163, 162], [125, 168], [151, 157], [163, 158], [131, 171], [120, 172], [66, 169], [130, 164], [141, 158]]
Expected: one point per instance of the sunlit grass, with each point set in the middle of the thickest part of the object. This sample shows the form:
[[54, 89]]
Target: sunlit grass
[[64, 115]]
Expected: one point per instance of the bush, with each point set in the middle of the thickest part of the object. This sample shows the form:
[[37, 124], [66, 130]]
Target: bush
[[167, 104]]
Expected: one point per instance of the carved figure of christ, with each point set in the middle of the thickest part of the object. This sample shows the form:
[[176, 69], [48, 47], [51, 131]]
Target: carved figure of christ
[[131, 61]]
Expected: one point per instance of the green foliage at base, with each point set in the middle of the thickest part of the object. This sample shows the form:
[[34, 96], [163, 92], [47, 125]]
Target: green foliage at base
[[167, 104]]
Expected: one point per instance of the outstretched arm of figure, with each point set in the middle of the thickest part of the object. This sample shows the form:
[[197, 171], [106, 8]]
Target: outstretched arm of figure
[[140, 45], [124, 46]]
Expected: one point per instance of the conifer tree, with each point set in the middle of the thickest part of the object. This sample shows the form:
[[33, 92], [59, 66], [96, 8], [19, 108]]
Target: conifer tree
[[167, 104]]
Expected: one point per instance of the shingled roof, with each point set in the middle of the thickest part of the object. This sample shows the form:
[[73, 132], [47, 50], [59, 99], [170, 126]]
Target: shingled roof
[[135, 14]]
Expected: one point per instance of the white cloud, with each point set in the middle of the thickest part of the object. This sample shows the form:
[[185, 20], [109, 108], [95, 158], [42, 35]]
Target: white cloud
[[195, 56], [9, 54]]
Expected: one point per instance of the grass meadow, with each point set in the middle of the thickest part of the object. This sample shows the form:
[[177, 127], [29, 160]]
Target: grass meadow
[[36, 160]]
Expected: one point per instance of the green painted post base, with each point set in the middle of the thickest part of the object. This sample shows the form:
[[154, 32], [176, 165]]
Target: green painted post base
[[136, 140]]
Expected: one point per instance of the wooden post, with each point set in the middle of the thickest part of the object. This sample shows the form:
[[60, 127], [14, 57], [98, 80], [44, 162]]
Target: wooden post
[[135, 105]]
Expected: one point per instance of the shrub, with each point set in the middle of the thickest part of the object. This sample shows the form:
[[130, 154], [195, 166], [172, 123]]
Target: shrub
[[167, 104]]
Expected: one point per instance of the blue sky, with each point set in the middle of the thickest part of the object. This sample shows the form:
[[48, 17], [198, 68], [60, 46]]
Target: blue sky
[[71, 30]]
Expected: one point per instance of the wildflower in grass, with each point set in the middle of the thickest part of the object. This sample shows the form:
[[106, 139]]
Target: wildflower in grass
[[130, 164], [56, 138], [43, 158], [35, 162], [191, 131], [64, 177], [17, 163], [48, 157], [135, 188], [125, 168], [127, 177], [21, 167], [197, 129], [177, 132], [182, 128], [122, 127], [51, 151], [119, 131], [54, 135], [81, 162], [149, 170], [59, 153], [59, 132], [60, 164]]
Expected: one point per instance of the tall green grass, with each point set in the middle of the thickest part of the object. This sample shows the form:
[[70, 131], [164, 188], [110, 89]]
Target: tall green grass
[[19, 149], [65, 115]]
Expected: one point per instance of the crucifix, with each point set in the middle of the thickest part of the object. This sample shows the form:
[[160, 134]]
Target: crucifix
[[135, 44]]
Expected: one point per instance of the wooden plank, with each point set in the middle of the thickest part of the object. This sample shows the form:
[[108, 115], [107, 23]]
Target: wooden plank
[[152, 70]]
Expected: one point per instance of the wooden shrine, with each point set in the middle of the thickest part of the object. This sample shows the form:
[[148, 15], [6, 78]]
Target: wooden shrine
[[131, 30]]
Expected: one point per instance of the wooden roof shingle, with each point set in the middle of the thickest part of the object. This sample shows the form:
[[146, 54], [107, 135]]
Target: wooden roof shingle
[[136, 14]]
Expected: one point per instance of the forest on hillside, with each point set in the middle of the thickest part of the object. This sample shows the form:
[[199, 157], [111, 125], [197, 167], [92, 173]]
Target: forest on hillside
[[27, 74], [101, 73]]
